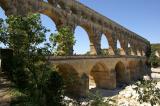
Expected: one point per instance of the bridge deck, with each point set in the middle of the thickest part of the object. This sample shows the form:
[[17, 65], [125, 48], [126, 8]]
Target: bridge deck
[[90, 57]]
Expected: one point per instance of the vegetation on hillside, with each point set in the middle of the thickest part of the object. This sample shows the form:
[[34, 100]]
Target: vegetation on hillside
[[153, 59], [156, 46]]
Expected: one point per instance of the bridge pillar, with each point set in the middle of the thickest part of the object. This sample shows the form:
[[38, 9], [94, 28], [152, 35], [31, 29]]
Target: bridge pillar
[[112, 45], [143, 53], [112, 48], [124, 45], [122, 74], [95, 47], [111, 51], [84, 88], [134, 49], [132, 52], [138, 52], [128, 76]]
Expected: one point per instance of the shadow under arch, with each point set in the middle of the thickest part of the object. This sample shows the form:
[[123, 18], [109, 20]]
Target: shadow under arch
[[48, 23], [100, 75], [71, 79], [82, 45], [120, 73]]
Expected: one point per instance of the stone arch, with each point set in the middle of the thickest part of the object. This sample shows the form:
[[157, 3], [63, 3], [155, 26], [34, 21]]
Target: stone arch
[[82, 41], [49, 24], [57, 3], [55, 16], [100, 75], [71, 79], [120, 73], [92, 34], [104, 45]]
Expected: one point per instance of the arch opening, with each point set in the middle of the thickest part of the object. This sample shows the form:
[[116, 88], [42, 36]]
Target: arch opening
[[104, 45], [71, 79], [99, 76], [110, 39], [82, 45], [48, 23], [120, 74]]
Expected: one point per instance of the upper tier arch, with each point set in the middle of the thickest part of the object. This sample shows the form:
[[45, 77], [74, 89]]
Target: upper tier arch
[[72, 13]]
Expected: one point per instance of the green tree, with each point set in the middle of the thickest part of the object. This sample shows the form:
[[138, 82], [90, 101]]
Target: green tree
[[63, 41], [31, 72]]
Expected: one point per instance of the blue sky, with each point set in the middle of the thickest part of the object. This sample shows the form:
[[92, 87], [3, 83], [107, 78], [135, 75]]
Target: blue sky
[[140, 16]]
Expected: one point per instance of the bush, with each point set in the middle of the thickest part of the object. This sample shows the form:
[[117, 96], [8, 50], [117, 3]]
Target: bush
[[54, 92], [154, 60], [148, 92], [31, 72]]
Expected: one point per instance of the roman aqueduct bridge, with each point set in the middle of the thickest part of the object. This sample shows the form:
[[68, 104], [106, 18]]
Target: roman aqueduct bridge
[[106, 71]]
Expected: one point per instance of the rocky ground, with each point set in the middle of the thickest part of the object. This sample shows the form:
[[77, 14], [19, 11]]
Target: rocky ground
[[127, 96]]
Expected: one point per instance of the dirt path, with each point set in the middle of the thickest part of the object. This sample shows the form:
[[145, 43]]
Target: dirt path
[[4, 90]]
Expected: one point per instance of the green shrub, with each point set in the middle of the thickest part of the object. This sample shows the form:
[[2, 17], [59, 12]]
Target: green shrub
[[154, 60], [148, 92], [54, 92], [31, 72]]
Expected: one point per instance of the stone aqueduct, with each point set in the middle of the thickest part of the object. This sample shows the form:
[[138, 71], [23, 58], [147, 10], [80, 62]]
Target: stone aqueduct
[[106, 71]]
